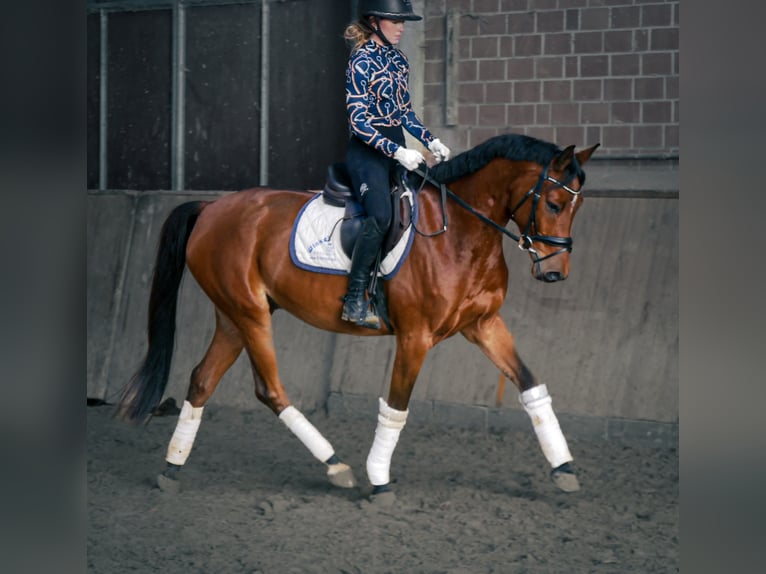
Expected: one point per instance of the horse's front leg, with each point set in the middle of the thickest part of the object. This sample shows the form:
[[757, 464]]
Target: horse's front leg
[[392, 414], [493, 337]]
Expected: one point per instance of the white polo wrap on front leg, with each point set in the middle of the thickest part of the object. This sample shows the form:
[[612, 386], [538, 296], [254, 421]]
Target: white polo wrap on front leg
[[307, 433], [537, 403], [183, 437], [390, 425]]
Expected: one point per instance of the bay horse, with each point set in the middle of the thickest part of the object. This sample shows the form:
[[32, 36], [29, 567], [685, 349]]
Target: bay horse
[[454, 281]]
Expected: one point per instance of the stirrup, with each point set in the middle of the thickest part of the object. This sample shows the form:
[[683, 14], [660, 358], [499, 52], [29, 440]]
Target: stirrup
[[370, 320]]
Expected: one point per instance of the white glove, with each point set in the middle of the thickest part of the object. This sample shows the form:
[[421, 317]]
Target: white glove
[[440, 151], [409, 158]]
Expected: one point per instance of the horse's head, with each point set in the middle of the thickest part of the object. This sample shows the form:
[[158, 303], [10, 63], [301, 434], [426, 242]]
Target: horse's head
[[545, 212]]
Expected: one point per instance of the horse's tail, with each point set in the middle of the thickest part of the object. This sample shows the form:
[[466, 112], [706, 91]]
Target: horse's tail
[[142, 394]]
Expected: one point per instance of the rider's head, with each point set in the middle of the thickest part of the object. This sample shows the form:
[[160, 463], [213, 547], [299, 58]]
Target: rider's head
[[385, 18]]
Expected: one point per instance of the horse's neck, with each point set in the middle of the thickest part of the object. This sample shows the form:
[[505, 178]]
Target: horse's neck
[[485, 198], [487, 190]]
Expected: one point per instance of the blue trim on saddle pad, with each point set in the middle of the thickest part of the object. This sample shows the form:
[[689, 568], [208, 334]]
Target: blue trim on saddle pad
[[329, 246], [324, 241]]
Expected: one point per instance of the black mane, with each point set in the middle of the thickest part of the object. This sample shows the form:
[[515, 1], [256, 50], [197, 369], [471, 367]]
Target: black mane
[[515, 147]]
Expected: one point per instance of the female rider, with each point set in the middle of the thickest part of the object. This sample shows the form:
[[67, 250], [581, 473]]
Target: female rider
[[378, 107]]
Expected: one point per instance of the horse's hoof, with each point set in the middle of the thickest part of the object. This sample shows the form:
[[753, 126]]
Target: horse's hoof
[[382, 496], [341, 475], [169, 485], [563, 477], [385, 499]]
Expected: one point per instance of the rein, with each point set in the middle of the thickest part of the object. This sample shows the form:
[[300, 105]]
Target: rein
[[525, 240]]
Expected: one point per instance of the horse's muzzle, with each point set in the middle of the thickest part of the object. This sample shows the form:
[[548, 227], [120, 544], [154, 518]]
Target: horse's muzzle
[[547, 276], [553, 276], [551, 267]]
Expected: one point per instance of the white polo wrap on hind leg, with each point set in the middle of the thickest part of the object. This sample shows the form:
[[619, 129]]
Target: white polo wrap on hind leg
[[183, 437], [307, 433], [390, 425], [537, 403]]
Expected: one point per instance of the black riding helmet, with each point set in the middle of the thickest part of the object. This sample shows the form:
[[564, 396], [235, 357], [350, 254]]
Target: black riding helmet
[[388, 9]]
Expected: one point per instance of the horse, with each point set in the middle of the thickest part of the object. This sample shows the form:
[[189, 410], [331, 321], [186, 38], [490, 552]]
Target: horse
[[452, 281]]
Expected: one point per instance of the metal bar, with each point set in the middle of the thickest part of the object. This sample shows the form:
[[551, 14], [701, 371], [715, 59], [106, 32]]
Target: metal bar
[[137, 5], [265, 26], [102, 103], [451, 33], [178, 101]]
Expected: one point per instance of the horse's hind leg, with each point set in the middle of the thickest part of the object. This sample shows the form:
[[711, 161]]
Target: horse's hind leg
[[493, 337], [269, 390], [223, 350]]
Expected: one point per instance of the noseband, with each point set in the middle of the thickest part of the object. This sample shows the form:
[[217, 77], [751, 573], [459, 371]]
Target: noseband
[[525, 240]]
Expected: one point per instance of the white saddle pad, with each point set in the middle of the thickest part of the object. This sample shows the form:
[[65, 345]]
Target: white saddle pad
[[315, 241]]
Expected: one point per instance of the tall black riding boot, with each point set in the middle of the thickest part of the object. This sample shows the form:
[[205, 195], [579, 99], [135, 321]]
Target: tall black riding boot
[[355, 305]]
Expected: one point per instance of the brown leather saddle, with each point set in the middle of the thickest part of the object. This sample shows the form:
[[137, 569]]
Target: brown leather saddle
[[337, 192]]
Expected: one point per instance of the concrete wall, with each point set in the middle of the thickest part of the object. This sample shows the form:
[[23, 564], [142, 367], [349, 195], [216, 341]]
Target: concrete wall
[[605, 341]]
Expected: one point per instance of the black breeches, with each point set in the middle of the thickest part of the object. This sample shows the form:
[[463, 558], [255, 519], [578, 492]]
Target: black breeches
[[370, 172]]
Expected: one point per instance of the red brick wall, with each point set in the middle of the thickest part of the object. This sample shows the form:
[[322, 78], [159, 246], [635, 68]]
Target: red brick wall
[[568, 71]]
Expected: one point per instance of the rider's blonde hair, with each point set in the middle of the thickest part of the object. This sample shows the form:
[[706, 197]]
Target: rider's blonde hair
[[357, 34]]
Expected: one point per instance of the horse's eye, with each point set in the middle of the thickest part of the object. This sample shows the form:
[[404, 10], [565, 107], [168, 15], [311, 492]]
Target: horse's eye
[[553, 207]]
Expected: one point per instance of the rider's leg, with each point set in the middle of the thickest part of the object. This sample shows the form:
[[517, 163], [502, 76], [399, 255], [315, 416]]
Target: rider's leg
[[355, 306], [370, 171]]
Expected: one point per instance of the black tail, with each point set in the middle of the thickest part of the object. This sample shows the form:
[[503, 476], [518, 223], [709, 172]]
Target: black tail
[[144, 391]]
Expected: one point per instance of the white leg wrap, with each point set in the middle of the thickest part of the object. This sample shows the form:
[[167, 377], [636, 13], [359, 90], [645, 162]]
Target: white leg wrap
[[183, 437], [537, 403], [307, 433], [390, 425]]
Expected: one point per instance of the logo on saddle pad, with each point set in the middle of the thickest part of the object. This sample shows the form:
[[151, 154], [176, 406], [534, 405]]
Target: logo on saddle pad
[[323, 242], [323, 236]]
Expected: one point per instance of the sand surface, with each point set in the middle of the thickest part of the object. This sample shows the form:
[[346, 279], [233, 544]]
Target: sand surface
[[253, 500]]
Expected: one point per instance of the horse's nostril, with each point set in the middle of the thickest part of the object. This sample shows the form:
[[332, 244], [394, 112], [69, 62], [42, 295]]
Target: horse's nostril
[[553, 276]]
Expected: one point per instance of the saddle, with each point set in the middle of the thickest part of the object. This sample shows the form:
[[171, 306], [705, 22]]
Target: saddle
[[337, 192]]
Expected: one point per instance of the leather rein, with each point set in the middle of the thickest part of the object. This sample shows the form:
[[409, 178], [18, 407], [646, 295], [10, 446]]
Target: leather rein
[[525, 240]]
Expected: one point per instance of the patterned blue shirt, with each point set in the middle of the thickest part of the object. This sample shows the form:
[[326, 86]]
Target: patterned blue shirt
[[377, 94]]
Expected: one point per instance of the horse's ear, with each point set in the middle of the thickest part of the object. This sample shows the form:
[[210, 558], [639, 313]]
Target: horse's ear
[[584, 155], [561, 161]]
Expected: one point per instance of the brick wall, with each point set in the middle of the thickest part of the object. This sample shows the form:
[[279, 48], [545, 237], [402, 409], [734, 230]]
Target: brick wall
[[568, 71]]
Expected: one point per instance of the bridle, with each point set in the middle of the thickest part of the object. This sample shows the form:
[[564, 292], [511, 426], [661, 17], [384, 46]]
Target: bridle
[[529, 235], [525, 240]]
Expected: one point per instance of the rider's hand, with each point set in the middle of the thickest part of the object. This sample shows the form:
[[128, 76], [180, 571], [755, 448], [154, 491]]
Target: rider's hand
[[409, 158], [441, 152]]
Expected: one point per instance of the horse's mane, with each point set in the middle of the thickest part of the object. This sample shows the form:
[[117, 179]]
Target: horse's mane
[[515, 147]]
